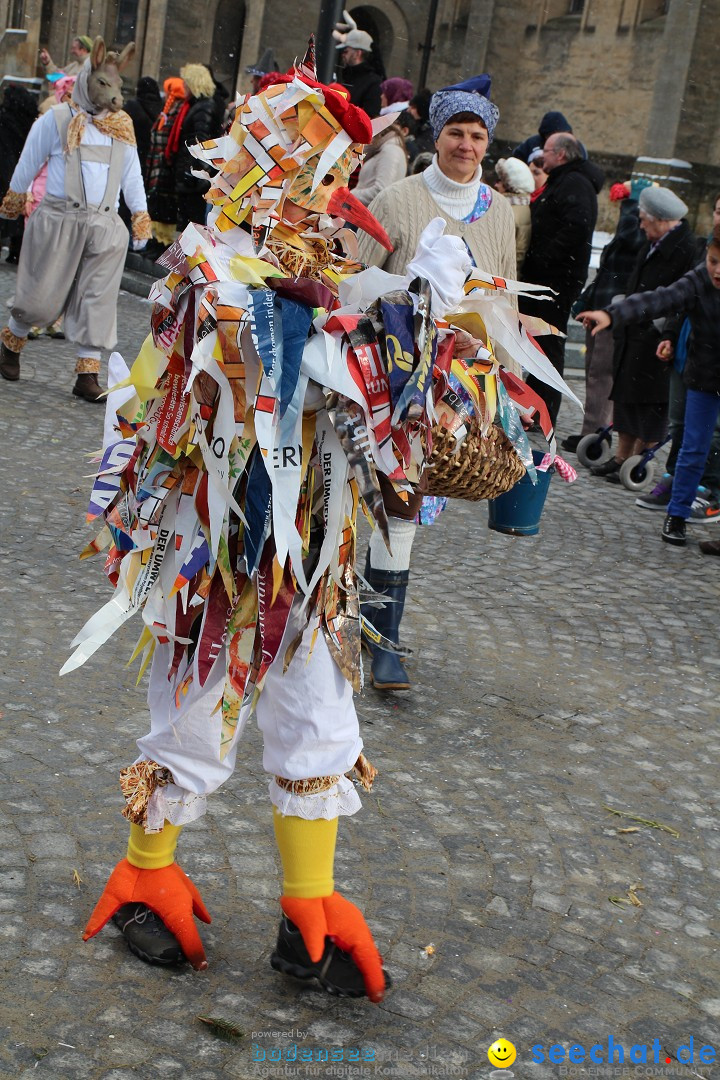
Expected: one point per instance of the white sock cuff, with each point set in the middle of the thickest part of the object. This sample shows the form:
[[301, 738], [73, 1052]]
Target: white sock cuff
[[19, 329], [402, 534], [85, 353]]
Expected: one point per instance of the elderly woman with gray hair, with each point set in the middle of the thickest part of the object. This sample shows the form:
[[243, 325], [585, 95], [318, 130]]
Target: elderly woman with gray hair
[[463, 121]]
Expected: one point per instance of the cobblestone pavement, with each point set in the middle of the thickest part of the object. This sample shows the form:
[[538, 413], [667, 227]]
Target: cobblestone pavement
[[553, 677]]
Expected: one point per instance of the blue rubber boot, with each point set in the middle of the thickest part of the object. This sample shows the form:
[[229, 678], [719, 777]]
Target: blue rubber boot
[[387, 671]]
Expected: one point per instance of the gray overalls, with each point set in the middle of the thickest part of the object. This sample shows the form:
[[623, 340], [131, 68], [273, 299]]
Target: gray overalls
[[73, 251]]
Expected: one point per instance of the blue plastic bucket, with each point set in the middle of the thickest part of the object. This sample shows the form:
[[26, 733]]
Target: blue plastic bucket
[[519, 510]]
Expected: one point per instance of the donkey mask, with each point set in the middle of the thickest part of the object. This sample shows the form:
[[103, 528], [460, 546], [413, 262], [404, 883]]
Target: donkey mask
[[104, 85]]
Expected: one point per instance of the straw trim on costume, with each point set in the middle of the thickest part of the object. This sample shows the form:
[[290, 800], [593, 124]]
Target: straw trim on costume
[[138, 782], [363, 772], [314, 785], [12, 341], [13, 204], [141, 225], [87, 365]]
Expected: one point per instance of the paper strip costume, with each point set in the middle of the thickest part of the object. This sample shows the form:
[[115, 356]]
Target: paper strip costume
[[278, 382]]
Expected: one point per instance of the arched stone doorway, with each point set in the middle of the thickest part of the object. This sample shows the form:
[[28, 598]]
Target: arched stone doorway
[[388, 27], [228, 30]]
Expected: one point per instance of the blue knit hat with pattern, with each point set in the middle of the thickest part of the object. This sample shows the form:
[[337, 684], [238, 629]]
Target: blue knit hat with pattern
[[471, 96]]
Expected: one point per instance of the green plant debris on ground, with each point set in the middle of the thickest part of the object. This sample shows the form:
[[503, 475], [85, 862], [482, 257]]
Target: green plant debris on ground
[[644, 821], [223, 1028]]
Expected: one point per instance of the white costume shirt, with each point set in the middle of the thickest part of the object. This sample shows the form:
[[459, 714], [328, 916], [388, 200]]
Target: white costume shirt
[[43, 145]]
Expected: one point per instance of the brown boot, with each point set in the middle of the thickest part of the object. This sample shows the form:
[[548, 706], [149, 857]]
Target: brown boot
[[87, 387], [9, 364], [710, 547], [10, 348]]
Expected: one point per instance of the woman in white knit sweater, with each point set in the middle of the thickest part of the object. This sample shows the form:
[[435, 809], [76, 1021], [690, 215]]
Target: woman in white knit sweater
[[463, 122], [451, 188]]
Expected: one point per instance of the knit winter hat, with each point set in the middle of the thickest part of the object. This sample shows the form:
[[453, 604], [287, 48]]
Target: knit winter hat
[[421, 103], [515, 175], [397, 90], [662, 204], [86, 42], [551, 124], [464, 97]]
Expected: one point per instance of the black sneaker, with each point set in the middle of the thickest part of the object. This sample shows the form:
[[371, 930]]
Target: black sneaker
[[570, 444], [673, 531], [612, 465], [147, 935], [336, 971]]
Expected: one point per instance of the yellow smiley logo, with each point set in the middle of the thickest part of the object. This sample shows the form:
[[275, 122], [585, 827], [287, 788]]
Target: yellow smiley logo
[[502, 1054]]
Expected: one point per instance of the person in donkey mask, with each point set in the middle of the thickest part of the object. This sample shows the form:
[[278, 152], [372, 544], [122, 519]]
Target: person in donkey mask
[[75, 243]]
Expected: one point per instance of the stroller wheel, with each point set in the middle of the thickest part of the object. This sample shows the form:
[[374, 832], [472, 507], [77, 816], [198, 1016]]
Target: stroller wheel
[[635, 476], [593, 450]]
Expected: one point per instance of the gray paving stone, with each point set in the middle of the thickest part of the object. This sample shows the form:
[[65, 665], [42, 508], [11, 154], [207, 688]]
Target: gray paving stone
[[552, 676]]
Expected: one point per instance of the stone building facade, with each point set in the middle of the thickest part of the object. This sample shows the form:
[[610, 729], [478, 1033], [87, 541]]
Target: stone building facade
[[635, 77]]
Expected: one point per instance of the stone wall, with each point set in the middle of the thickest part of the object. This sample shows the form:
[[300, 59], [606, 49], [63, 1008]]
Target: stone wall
[[601, 78], [699, 129], [188, 34], [631, 84]]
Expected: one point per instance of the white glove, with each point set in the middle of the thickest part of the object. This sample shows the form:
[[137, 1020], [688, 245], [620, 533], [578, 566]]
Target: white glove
[[445, 262]]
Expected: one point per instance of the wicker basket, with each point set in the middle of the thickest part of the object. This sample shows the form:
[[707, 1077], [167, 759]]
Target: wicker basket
[[482, 468]]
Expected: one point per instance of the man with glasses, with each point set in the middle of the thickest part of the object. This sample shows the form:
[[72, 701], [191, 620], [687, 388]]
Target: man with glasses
[[563, 220]]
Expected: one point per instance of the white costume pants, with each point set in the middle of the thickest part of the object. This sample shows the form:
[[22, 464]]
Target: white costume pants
[[306, 716]]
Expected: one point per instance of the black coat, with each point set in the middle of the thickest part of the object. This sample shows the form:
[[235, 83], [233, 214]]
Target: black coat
[[563, 220], [18, 113], [363, 83], [617, 261], [640, 378], [201, 123], [693, 295], [422, 142], [144, 110]]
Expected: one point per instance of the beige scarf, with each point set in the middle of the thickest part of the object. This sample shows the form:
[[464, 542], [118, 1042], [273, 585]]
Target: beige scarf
[[117, 125]]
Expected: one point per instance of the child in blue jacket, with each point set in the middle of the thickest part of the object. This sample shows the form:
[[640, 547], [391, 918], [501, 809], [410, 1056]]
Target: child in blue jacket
[[697, 295]]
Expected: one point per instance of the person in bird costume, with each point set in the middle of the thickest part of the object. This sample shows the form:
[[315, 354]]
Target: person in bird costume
[[279, 381]]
